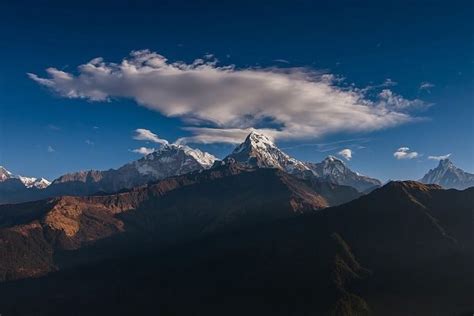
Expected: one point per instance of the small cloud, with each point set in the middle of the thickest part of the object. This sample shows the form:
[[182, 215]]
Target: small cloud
[[405, 153], [426, 86], [51, 149], [146, 134], [389, 83], [345, 153], [284, 61], [95, 127], [89, 142], [143, 150], [442, 157]]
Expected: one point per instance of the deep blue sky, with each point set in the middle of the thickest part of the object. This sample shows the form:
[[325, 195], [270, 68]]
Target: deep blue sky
[[409, 42]]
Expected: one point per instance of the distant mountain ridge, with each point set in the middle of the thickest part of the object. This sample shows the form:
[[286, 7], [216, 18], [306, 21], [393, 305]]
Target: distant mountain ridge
[[334, 170], [28, 182], [170, 160], [449, 176], [257, 151]]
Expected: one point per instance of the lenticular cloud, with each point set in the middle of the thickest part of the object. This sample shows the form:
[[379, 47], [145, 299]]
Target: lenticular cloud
[[221, 103]]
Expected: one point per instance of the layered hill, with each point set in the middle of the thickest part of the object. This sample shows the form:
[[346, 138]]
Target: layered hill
[[404, 249], [171, 210]]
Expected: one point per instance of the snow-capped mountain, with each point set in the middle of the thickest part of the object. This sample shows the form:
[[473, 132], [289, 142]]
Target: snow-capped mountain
[[5, 174], [28, 182], [448, 175], [169, 160], [39, 183], [259, 151], [334, 170]]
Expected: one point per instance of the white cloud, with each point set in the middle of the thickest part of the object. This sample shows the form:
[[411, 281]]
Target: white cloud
[[405, 153], [89, 142], [145, 134], [426, 86], [439, 157], [220, 103], [51, 149], [346, 154], [143, 150]]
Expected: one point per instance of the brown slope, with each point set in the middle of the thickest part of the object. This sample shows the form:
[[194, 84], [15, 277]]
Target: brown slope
[[170, 210], [397, 251]]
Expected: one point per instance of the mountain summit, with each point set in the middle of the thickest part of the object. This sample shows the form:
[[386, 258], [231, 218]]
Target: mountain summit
[[259, 151], [334, 170], [448, 175]]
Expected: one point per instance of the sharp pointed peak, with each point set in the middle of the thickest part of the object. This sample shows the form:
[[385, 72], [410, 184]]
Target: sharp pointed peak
[[256, 135], [445, 163], [332, 158]]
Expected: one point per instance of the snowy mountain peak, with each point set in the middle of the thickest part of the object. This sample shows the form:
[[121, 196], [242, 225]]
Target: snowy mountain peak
[[333, 159], [255, 140], [259, 151], [5, 174], [446, 163], [205, 159], [335, 170], [28, 182], [448, 175]]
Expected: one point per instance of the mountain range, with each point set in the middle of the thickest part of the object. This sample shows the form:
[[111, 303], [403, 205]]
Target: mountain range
[[258, 232], [235, 239], [172, 160]]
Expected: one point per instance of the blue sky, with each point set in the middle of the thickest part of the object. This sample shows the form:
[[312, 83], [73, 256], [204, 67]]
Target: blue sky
[[365, 48]]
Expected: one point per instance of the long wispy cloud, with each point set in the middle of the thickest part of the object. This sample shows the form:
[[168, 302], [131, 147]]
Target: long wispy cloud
[[220, 103], [442, 157], [405, 153]]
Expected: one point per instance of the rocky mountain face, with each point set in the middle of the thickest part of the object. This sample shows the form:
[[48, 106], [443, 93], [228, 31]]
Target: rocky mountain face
[[449, 176], [386, 253], [174, 209], [334, 170]]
